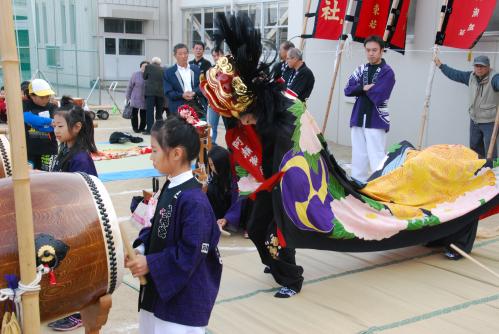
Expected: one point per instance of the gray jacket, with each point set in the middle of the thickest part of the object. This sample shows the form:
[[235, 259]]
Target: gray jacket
[[483, 96]]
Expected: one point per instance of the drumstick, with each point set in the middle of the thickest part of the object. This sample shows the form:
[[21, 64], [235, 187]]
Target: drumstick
[[457, 249], [131, 252]]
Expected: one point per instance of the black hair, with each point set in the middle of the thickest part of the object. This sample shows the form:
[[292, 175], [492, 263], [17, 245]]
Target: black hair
[[199, 43], [175, 132], [84, 139], [216, 50], [143, 62], [375, 39], [221, 160], [25, 88], [178, 47], [66, 103]]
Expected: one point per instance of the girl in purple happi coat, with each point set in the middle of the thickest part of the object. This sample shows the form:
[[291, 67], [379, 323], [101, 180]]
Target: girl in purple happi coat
[[180, 256]]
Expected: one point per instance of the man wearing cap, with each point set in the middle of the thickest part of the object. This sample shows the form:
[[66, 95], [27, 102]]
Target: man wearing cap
[[483, 83], [40, 138]]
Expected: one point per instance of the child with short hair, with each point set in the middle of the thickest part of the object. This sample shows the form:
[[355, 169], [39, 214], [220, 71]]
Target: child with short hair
[[40, 139], [74, 129], [181, 259]]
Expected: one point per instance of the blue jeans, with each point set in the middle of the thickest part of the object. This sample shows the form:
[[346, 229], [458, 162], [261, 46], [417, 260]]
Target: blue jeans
[[480, 136], [213, 118]]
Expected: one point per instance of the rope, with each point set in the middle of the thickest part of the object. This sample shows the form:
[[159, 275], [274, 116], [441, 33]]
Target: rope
[[15, 295]]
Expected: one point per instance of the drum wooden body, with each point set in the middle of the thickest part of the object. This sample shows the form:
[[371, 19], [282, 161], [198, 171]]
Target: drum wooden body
[[5, 160], [76, 210]]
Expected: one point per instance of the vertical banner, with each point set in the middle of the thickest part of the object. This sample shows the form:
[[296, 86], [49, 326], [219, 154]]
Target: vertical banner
[[465, 22], [329, 19], [397, 37], [370, 19]]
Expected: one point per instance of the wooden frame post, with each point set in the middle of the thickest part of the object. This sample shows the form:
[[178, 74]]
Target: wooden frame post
[[20, 173]]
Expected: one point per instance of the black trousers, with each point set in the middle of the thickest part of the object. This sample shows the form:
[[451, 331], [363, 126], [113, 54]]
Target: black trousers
[[135, 119], [153, 102], [260, 226], [464, 238]]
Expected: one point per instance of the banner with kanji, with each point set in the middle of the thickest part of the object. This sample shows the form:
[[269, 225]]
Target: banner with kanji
[[246, 149], [329, 19], [464, 23], [371, 17], [397, 36]]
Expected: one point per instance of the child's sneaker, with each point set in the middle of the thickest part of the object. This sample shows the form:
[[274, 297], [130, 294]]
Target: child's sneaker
[[285, 293], [68, 323]]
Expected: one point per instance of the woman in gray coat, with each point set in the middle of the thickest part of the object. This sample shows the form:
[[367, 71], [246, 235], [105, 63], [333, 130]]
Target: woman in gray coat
[[136, 95]]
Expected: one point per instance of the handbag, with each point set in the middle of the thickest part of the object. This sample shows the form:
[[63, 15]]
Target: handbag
[[127, 111]]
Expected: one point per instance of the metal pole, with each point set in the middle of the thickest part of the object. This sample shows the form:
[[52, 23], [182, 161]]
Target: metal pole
[[20, 176]]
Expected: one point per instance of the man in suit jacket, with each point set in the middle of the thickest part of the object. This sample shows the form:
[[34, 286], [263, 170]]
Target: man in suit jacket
[[302, 80], [181, 81]]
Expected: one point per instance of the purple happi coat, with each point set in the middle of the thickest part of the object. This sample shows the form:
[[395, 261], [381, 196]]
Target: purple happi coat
[[373, 104], [181, 251]]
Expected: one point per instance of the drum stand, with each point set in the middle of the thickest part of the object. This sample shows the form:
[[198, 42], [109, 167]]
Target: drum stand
[[94, 316]]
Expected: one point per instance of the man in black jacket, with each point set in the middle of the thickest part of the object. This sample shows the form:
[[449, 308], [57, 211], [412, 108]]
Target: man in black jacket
[[199, 60], [154, 92], [302, 79]]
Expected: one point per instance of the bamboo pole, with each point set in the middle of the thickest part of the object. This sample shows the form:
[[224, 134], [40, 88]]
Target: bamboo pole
[[336, 68], [493, 139], [305, 21], [20, 178], [429, 85], [463, 254]]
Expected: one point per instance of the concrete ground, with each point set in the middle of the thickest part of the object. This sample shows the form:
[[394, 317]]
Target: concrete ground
[[245, 303]]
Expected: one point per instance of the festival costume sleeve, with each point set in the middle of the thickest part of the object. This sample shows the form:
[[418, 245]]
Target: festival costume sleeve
[[143, 238], [172, 268], [42, 124], [354, 86], [382, 89], [495, 83], [456, 75], [233, 215]]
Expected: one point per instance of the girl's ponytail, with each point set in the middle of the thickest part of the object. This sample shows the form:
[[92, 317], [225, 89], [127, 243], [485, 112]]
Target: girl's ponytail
[[87, 131]]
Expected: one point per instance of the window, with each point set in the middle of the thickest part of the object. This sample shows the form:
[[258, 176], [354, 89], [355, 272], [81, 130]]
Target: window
[[131, 47], [133, 27], [110, 45], [271, 17], [123, 26], [53, 56], [63, 23], [113, 25]]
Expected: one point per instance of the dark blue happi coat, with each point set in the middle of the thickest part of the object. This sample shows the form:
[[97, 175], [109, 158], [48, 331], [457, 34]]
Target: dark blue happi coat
[[181, 250]]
